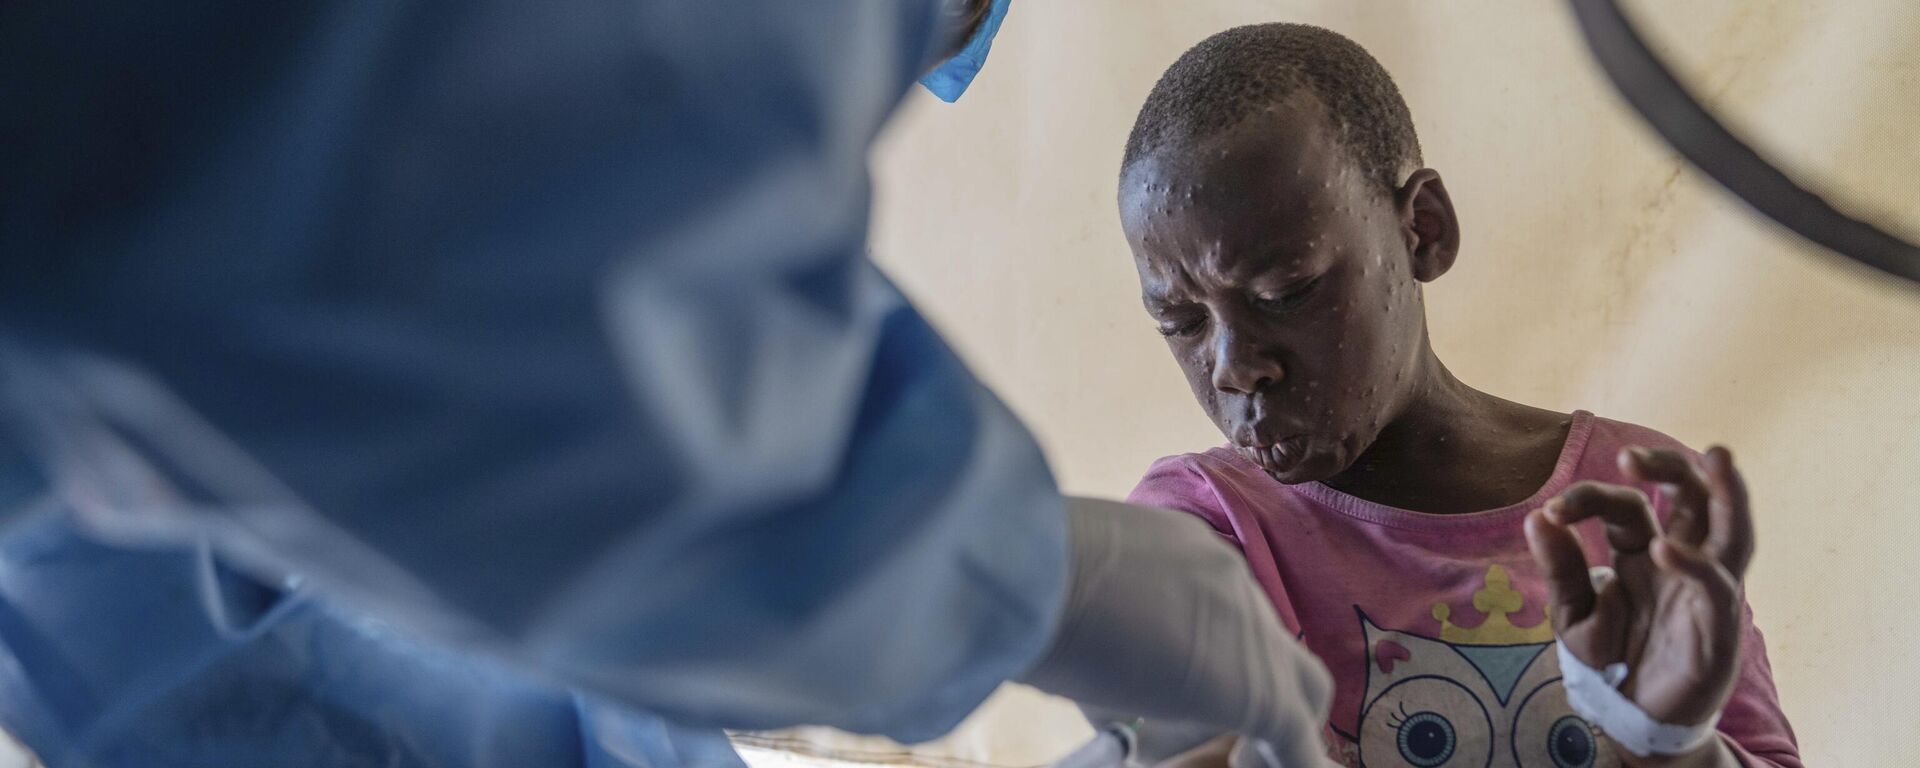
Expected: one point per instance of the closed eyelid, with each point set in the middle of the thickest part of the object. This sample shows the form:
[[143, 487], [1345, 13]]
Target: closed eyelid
[[1160, 304], [1293, 284]]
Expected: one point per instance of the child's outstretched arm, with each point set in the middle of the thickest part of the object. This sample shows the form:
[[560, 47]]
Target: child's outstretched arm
[[1674, 611]]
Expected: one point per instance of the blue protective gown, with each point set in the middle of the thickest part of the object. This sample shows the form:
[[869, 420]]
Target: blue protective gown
[[481, 383]]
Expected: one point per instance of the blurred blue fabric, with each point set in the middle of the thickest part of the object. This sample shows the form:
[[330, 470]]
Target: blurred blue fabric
[[482, 384]]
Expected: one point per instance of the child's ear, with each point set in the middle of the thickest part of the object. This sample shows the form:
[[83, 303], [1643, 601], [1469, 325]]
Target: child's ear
[[1428, 224]]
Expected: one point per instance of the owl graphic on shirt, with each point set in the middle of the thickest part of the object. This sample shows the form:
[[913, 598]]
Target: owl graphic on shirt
[[1484, 696]]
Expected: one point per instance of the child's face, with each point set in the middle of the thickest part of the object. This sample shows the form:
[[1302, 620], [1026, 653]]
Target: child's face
[[1283, 280]]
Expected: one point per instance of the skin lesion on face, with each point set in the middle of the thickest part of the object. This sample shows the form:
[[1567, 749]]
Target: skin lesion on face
[[1287, 284]]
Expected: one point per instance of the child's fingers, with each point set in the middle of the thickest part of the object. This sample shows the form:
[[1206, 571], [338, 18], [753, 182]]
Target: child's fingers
[[1711, 627], [1625, 511], [1723, 594], [1696, 566], [1681, 480], [1730, 539], [1569, 587]]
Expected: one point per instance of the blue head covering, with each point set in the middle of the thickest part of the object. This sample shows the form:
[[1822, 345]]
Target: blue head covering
[[952, 77]]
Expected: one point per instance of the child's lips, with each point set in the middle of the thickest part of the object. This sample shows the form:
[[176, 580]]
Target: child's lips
[[1279, 457]]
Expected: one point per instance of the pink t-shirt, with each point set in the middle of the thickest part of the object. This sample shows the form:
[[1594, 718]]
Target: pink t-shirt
[[1433, 625]]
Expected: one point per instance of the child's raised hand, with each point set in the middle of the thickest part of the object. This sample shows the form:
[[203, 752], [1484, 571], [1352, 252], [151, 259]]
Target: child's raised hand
[[1673, 610]]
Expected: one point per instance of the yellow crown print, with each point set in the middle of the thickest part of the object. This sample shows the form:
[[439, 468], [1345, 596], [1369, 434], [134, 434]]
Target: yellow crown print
[[1496, 600]]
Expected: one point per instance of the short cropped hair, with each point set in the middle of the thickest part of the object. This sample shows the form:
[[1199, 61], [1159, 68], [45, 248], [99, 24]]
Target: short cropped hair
[[1229, 76]]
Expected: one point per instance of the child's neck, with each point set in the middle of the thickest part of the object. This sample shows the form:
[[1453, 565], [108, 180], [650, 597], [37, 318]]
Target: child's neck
[[1456, 449]]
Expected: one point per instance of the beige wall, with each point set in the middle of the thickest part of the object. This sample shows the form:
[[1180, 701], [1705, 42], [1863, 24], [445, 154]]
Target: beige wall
[[1598, 272]]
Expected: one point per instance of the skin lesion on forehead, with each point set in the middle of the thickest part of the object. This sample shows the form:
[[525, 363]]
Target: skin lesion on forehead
[[1202, 251], [1245, 199], [1215, 199]]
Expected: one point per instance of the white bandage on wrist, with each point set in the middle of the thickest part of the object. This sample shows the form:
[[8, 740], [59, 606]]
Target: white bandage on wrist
[[1594, 695]]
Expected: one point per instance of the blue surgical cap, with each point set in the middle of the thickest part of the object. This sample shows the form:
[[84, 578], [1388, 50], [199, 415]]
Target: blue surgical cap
[[952, 77]]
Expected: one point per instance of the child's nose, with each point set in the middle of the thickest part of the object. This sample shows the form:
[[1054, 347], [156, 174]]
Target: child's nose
[[1241, 366]]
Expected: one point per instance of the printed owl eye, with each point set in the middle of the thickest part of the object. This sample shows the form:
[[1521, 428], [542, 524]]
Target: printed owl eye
[[1426, 739], [1547, 732], [1570, 743], [1426, 722]]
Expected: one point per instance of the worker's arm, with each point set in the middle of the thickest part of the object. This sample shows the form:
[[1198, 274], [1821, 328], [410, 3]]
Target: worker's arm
[[1164, 621]]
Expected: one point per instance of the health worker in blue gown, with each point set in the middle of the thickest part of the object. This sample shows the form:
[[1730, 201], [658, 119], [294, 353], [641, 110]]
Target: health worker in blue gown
[[506, 384]]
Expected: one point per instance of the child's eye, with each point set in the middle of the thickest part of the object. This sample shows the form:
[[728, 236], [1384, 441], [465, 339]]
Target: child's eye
[[1187, 327], [1291, 299]]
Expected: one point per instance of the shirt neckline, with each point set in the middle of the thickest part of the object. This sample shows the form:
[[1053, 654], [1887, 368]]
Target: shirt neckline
[[1571, 452]]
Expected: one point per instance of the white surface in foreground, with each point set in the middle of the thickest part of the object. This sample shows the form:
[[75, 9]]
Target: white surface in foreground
[[769, 758], [13, 755]]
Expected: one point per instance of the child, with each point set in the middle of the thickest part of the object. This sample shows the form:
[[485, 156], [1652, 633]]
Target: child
[[1281, 222]]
